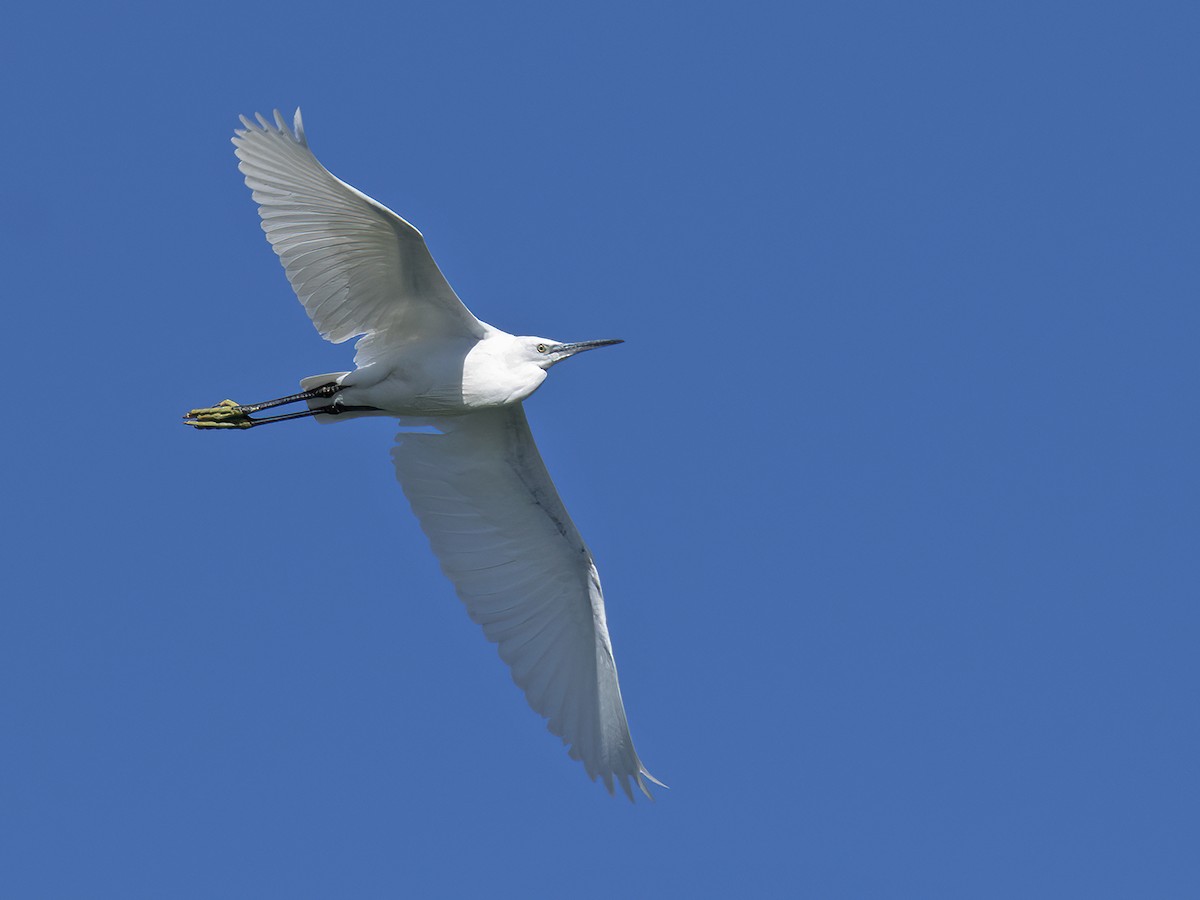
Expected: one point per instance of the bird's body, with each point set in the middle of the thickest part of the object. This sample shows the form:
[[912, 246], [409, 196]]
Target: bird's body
[[447, 377], [478, 484]]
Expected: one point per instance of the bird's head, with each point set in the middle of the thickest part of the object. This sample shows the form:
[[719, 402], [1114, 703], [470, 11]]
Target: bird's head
[[544, 352]]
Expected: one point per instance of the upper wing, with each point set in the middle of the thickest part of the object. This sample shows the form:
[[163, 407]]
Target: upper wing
[[496, 523], [357, 267]]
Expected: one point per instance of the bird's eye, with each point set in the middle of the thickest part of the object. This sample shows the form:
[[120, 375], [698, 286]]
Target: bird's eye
[[541, 348]]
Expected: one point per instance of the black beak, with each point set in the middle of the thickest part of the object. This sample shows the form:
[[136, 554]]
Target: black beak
[[580, 346]]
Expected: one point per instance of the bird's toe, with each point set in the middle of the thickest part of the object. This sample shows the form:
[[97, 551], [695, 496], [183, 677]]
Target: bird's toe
[[226, 414]]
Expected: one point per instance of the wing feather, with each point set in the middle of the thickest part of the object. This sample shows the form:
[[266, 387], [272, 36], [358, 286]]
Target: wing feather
[[504, 538], [358, 268]]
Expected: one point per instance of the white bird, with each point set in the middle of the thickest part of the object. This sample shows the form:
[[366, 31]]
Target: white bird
[[478, 485]]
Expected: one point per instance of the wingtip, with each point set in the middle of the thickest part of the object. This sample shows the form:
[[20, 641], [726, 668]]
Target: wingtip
[[644, 776], [640, 777], [279, 126], [240, 133], [642, 773], [607, 778]]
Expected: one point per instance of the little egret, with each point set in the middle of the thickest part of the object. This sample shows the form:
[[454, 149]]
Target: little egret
[[477, 483]]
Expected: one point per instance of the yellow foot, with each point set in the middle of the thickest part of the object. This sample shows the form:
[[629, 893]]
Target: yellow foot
[[226, 414]]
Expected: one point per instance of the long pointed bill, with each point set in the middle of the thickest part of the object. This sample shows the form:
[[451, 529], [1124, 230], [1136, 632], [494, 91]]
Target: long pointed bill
[[565, 350]]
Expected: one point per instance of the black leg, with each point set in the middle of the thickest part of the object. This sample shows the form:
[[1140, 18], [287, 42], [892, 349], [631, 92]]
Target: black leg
[[227, 410], [242, 420]]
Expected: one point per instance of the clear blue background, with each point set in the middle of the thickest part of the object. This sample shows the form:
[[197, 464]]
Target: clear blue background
[[893, 486]]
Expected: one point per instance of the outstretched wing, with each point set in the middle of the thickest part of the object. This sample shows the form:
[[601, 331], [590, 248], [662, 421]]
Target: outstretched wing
[[358, 268], [496, 523]]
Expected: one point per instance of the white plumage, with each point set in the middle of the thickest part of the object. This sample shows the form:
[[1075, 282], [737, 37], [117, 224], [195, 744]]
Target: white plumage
[[503, 536], [478, 485]]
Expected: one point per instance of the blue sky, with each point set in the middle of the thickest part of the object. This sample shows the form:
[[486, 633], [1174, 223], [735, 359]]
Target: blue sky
[[893, 486]]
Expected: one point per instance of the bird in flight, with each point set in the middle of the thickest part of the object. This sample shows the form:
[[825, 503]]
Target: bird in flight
[[476, 480]]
